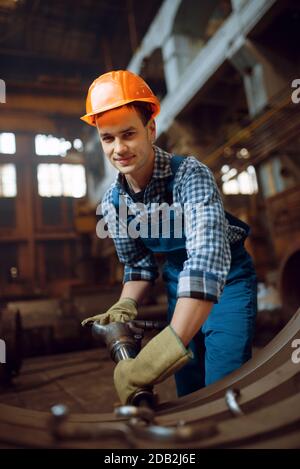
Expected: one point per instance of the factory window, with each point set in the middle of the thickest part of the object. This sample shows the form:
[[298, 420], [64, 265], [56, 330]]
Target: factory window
[[47, 145], [77, 144], [8, 180], [55, 180], [242, 183], [7, 143]]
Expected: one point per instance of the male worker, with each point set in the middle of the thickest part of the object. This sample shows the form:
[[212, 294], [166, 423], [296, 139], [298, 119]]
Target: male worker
[[210, 278]]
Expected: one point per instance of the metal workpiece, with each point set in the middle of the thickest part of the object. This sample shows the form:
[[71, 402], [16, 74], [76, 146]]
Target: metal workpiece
[[144, 398], [122, 340], [148, 325], [275, 354], [179, 434], [67, 431], [139, 425], [133, 412], [258, 406]]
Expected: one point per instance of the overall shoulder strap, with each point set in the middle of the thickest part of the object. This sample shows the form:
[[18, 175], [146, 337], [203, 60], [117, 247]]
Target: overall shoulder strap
[[115, 197], [175, 162]]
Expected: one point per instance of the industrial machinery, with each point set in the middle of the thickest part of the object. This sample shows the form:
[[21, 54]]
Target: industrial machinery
[[256, 406]]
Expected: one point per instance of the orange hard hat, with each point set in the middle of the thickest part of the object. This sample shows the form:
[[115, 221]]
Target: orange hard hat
[[115, 89]]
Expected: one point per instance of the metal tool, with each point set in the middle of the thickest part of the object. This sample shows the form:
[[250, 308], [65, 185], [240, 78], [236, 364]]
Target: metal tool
[[123, 340]]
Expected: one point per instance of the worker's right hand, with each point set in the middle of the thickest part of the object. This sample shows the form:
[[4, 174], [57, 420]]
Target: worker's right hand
[[123, 311], [161, 357]]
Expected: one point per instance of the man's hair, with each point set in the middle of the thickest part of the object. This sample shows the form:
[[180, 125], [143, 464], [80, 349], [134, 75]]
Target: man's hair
[[144, 110]]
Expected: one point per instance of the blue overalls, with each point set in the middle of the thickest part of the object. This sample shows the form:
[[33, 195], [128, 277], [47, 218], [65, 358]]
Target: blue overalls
[[224, 341]]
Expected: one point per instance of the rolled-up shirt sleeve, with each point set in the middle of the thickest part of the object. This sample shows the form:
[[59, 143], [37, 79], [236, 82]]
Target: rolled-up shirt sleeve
[[139, 262], [208, 251]]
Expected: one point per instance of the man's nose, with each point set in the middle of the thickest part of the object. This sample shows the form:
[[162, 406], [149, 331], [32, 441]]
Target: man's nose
[[120, 147]]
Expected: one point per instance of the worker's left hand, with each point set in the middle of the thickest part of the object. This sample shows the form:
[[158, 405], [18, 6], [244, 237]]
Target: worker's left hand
[[122, 311], [161, 357]]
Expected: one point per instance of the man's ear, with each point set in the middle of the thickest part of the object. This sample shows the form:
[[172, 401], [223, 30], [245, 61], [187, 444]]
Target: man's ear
[[152, 130]]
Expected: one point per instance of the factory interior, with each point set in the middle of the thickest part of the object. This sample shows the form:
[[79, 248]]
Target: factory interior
[[227, 75]]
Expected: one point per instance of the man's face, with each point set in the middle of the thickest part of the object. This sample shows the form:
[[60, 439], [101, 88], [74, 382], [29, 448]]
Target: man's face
[[126, 142]]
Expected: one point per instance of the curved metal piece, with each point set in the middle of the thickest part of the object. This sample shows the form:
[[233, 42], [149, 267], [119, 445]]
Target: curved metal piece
[[131, 411], [264, 361], [182, 433], [205, 423], [139, 426], [231, 396]]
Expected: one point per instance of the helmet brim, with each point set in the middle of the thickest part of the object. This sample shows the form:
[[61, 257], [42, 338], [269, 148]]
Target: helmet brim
[[90, 117]]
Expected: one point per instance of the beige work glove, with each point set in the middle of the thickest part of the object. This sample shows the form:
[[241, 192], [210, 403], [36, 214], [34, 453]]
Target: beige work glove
[[162, 356], [122, 311]]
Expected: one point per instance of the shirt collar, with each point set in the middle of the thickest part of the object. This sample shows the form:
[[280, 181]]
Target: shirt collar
[[162, 168]]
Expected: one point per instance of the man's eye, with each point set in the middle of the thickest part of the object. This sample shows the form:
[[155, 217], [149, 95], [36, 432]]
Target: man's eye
[[107, 139], [129, 134]]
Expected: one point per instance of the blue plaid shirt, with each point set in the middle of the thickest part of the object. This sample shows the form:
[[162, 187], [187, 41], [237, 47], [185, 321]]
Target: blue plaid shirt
[[208, 256]]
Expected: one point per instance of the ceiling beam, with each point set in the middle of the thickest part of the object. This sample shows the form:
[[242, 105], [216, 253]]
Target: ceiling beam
[[6, 51]]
